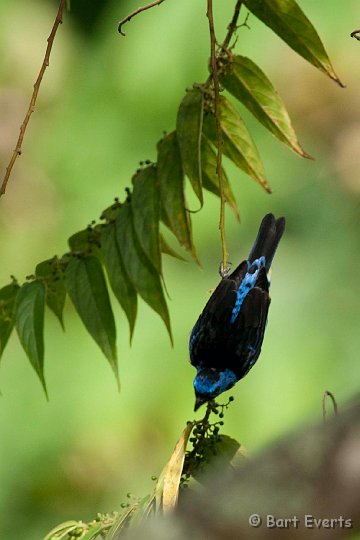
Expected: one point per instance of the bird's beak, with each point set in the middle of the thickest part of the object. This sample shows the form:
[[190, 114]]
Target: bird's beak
[[198, 402]]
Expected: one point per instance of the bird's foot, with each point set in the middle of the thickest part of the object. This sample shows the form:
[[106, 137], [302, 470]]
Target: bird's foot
[[224, 270]]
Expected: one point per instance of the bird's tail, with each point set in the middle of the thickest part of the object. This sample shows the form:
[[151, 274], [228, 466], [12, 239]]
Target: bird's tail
[[267, 240]]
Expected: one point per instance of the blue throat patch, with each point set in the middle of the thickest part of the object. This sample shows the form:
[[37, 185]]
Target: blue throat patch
[[246, 285], [206, 385]]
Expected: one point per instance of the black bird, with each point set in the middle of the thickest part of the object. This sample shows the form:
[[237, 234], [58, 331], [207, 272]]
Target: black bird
[[227, 337]]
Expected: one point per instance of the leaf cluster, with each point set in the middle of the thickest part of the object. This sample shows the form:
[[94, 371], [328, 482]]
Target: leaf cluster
[[127, 245]]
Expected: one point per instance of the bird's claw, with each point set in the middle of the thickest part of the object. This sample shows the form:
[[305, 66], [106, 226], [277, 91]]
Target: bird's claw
[[224, 271]]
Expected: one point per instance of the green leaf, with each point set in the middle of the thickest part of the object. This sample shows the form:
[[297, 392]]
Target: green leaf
[[289, 22], [60, 531], [29, 320], [94, 531], [247, 83], [118, 276], [168, 250], [123, 521], [86, 286], [79, 242], [171, 185], [142, 274], [188, 128], [146, 214], [7, 302], [210, 177], [237, 142], [50, 271]]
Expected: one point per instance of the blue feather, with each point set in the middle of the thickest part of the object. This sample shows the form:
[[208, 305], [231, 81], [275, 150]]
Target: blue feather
[[246, 285]]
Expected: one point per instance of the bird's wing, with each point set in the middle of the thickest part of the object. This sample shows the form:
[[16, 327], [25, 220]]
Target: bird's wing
[[249, 327], [212, 322]]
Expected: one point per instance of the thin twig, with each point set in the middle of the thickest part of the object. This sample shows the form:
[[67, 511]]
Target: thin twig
[[356, 34], [45, 64], [233, 25], [219, 171], [136, 12], [331, 395]]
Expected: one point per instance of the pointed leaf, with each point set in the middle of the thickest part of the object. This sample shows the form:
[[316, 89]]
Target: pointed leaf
[[288, 21], [56, 293], [146, 214], [210, 177], [118, 276], [168, 250], [29, 320], [173, 470], [247, 83], [142, 274], [7, 302], [171, 185], [237, 142], [85, 284], [79, 241], [188, 128]]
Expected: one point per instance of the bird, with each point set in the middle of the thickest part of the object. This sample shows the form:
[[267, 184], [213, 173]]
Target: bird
[[226, 340]]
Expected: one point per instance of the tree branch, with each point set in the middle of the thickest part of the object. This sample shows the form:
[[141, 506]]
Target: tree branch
[[215, 78], [233, 25], [136, 12], [45, 64]]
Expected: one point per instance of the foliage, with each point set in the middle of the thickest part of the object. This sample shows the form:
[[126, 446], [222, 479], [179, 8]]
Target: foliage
[[210, 453], [128, 243]]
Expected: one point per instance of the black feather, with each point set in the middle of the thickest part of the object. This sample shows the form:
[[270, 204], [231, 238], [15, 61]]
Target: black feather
[[227, 337]]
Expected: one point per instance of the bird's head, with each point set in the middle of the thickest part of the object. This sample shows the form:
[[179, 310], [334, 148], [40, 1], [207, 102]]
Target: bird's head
[[210, 383]]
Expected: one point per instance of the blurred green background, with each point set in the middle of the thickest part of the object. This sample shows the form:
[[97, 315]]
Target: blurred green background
[[103, 105]]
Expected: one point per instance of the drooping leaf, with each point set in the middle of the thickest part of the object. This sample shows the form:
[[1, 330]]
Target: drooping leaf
[[247, 83], [79, 241], [210, 177], [168, 250], [288, 21], [110, 213], [171, 475], [7, 301], [171, 185], [141, 272], [146, 214], [29, 320], [237, 142], [118, 276], [86, 286], [49, 270], [188, 128]]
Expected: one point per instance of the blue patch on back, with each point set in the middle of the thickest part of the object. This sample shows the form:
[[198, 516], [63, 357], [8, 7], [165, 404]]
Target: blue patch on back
[[246, 285]]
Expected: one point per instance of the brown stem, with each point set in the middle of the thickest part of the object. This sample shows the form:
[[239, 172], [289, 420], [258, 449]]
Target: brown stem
[[136, 12], [233, 25], [219, 171], [331, 395], [45, 64]]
